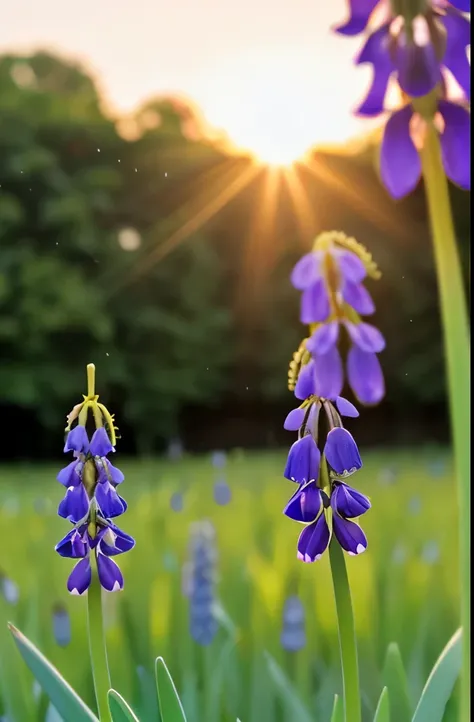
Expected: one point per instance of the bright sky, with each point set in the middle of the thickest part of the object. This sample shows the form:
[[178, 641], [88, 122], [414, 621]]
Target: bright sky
[[269, 72]]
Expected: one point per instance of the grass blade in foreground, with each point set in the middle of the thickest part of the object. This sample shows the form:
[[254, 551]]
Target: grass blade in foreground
[[287, 692], [171, 708], [119, 709], [395, 679], [337, 710], [440, 684], [61, 694], [382, 713]]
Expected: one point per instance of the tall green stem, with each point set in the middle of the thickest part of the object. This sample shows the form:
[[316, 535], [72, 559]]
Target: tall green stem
[[457, 351], [347, 637], [97, 648]]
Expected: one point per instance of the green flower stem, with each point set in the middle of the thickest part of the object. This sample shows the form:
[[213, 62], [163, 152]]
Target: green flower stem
[[97, 648], [457, 352], [347, 638]]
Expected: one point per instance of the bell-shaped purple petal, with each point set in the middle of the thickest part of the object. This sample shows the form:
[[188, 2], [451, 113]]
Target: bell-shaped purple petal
[[305, 505], [315, 303], [108, 501], [115, 541], [71, 475], [100, 443], [328, 374], [294, 419], [456, 143], [365, 376], [348, 502], [77, 440], [367, 337], [376, 52], [400, 165], [305, 386], [75, 505], [357, 296], [349, 535], [303, 460], [345, 408], [73, 544], [458, 37], [110, 575], [307, 271], [341, 452], [350, 265], [80, 577], [463, 6], [323, 338], [314, 540], [360, 12], [107, 471], [419, 70]]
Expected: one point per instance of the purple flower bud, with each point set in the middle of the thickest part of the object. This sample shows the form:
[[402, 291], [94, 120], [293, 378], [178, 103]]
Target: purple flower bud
[[348, 502], [313, 540], [109, 573], [108, 501], [100, 443], [341, 452], [77, 440], [303, 460], [80, 577], [349, 535], [365, 376], [307, 271], [305, 505], [75, 505]]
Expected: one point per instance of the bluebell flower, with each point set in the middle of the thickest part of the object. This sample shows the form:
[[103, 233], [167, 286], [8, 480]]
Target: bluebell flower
[[293, 636], [222, 492], [61, 626], [202, 620]]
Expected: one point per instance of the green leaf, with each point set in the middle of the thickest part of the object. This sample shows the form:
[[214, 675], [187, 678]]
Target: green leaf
[[337, 710], [295, 706], [119, 709], [395, 679], [440, 683], [171, 708], [61, 694], [382, 713]]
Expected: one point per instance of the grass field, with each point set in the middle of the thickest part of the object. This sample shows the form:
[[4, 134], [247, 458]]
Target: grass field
[[405, 587]]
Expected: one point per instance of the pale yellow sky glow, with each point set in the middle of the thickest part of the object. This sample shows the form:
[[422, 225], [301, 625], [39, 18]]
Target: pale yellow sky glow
[[268, 72]]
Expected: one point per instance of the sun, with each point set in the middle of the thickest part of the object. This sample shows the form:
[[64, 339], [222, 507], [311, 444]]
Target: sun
[[277, 105]]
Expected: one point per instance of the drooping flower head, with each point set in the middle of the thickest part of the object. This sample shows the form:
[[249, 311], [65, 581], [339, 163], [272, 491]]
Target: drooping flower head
[[91, 500]]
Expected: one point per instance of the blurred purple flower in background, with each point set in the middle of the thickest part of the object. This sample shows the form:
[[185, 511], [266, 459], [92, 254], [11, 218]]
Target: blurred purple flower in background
[[200, 581], [293, 635]]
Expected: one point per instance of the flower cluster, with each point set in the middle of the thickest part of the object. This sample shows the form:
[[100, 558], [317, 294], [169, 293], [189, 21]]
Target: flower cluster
[[202, 621], [421, 47], [91, 500], [331, 279]]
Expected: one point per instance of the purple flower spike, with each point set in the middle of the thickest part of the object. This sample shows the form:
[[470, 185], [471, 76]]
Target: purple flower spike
[[456, 143], [365, 376], [357, 296], [305, 505], [349, 535], [305, 386], [71, 475], [307, 271], [303, 460], [100, 443], [400, 164], [75, 505], [109, 502], [110, 575], [323, 339], [294, 420], [80, 577], [345, 408], [314, 540], [341, 452], [366, 337], [329, 374], [360, 12], [77, 440], [315, 303], [348, 502]]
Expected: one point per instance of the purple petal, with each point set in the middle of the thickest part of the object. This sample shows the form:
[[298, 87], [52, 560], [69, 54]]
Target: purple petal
[[314, 540], [77, 440], [115, 541], [329, 375], [305, 385], [365, 376], [305, 505], [419, 70], [463, 6], [80, 577], [307, 271], [294, 420], [345, 408], [75, 505], [71, 475], [73, 545], [323, 338], [376, 52], [341, 452], [110, 575], [400, 164], [315, 303], [313, 418], [360, 12], [350, 266], [357, 296], [303, 460], [458, 37], [107, 471], [348, 502], [367, 337], [100, 443], [349, 535], [108, 501], [456, 143]]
